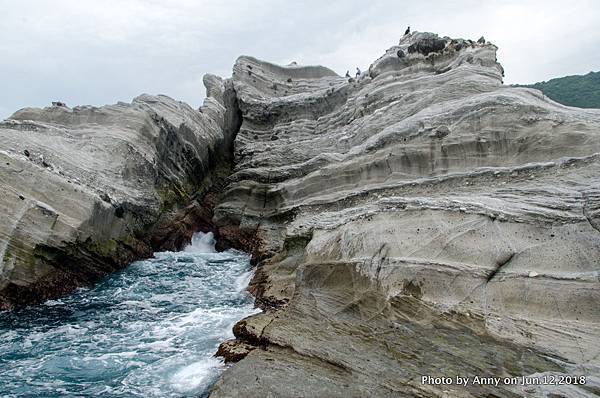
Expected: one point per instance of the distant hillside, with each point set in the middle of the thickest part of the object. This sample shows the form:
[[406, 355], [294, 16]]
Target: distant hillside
[[580, 90]]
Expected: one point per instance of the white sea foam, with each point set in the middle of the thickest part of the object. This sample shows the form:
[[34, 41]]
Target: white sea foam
[[242, 281], [202, 243], [196, 376], [51, 303]]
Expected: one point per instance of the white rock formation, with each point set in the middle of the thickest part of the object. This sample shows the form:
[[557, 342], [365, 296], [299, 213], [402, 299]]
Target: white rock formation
[[84, 189], [425, 219]]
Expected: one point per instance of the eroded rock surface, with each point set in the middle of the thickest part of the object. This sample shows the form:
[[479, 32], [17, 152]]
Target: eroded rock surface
[[87, 190], [423, 220]]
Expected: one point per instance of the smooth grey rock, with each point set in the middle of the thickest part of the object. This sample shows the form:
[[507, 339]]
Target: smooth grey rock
[[82, 186], [423, 220]]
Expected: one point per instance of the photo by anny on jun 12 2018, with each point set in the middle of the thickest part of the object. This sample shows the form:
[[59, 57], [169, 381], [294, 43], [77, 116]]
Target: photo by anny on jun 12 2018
[[273, 199]]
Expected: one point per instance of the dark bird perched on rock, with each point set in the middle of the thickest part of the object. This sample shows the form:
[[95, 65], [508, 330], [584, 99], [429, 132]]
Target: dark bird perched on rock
[[407, 31]]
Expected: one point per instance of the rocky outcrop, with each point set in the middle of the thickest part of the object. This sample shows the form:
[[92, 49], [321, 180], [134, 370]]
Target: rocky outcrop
[[423, 220], [88, 190]]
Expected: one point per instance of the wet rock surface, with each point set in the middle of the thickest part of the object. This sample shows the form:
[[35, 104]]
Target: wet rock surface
[[423, 220], [234, 350]]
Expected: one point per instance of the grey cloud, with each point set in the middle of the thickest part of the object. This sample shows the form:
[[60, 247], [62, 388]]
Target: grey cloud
[[102, 52]]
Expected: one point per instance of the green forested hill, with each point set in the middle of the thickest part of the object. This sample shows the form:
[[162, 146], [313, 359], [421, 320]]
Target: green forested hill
[[579, 90]]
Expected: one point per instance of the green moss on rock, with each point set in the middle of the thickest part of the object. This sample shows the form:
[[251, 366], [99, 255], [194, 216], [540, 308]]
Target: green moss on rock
[[104, 248]]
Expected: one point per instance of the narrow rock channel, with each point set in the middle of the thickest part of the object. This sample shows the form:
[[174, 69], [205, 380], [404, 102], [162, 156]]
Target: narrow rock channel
[[150, 330]]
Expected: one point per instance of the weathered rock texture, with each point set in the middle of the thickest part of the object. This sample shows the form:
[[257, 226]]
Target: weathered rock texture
[[423, 220], [87, 190]]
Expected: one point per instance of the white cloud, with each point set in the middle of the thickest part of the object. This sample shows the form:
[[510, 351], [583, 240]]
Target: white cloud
[[96, 52]]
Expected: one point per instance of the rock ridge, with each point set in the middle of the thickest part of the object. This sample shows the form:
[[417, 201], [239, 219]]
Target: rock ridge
[[421, 219], [88, 190]]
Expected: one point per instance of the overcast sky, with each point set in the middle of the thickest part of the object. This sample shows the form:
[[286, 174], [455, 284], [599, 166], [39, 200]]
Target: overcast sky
[[98, 52]]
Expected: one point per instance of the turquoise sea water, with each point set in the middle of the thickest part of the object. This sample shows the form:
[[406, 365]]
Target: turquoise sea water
[[150, 330]]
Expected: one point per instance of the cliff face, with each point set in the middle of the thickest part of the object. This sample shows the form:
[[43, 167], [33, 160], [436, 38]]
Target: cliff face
[[88, 190], [423, 220]]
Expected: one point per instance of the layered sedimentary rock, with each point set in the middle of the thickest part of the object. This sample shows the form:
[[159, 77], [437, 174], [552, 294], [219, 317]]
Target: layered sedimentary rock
[[422, 220], [87, 190]]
